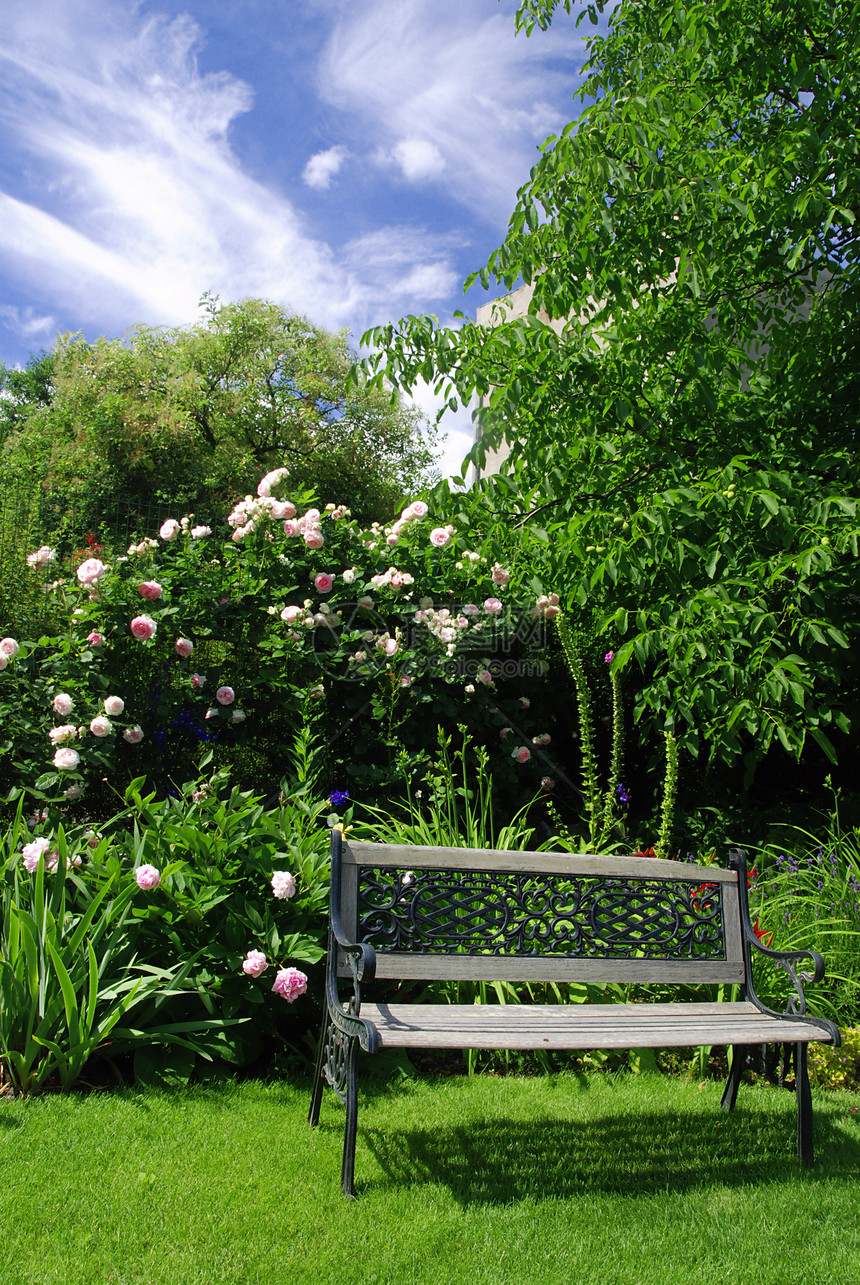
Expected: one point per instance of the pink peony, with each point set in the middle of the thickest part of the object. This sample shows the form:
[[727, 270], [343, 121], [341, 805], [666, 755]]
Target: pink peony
[[314, 539], [225, 696], [143, 628], [323, 583], [95, 639], [254, 963], [101, 726], [283, 884], [63, 704], [134, 735], [66, 760], [184, 647], [170, 529], [492, 606], [150, 590], [290, 983], [9, 648], [521, 753], [91, 571], [147, 877], [33, 852], [114, 705], [440, 536]]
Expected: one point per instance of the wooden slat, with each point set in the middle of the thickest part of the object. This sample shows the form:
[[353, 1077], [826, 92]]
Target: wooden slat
[[520, 968], [732, 922], [559, 863], [575, 1027]]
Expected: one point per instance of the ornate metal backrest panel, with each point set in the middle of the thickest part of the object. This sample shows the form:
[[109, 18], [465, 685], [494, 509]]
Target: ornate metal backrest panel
[[477, 912]]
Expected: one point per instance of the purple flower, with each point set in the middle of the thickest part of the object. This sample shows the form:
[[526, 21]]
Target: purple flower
[[623, 796], [338, 797]]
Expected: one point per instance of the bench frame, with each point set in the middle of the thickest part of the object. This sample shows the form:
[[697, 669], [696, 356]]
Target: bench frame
[[406, 913]]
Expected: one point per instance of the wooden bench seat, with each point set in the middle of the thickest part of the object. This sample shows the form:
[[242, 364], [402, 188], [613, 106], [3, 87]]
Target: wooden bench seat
[[410, 914]]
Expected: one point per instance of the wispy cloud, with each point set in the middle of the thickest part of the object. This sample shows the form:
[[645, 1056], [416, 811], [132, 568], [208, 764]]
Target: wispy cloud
[[450, 78]]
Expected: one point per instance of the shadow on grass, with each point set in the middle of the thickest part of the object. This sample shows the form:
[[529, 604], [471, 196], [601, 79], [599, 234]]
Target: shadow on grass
[[652, 1152]]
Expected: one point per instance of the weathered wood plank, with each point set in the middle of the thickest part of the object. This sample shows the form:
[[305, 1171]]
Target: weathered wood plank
[[520, 968], [559, 863], [732, 922]]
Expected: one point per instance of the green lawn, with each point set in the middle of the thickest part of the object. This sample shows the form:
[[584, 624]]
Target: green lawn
[[557, 1179]]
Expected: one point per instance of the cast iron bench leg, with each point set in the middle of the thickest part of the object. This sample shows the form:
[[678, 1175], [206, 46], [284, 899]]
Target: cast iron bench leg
[[804, 1106], [316, 1091], [351, 1125], [730, 1092]]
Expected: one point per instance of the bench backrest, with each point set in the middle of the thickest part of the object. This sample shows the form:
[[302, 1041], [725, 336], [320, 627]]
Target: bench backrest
[[467, 913]]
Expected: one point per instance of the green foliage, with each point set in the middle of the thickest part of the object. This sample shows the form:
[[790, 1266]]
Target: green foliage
[[683, 453], [189, 415], [837, 1068]]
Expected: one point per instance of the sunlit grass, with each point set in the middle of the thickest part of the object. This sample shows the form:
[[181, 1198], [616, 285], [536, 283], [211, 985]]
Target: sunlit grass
[[547, 1178]]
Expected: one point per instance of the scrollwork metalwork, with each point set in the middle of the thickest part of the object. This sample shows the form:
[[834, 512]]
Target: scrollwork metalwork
[[477, 912]]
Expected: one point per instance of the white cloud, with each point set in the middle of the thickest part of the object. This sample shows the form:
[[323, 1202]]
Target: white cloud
[[30, 325], [323, 167], [418, 159], [451, 76]]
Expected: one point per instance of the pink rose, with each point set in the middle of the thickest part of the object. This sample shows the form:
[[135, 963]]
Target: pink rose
[[134, 735], [543, 739], [91, 571], [63, 704], [238, 716], [521, 753], [42, 556], [225, 696], [492, 606], [264, 486], [114, 705], [197, 532], [500, 576], [197, 681], [66, 760], [485, 677], [95, 639], [9, 648], [283, 884], [440, 536], [150, 590], [323, 583], [147, 877], [169, 530], [254, 963], [290, 983], [405, 680], [290, 614], [314, 539], [184, 647], [547, 783], [4, 661], [417, 509], [291, 528], [101, 726], [212, 713], [525, 703], [59, 735], [143, 628]]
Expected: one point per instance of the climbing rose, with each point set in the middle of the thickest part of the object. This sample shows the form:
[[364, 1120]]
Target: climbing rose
[[170, 529], [314, 539], [290, 983], [91, 571], [42, 556], [440, 536], [238, 716], [197, 532], [289, 614], [66, 760], [323, 582], [283, 884], [521, 753], [114, 705], [101, 726], [95, 639], [492, 606], [254, 963], [9, 648], [147, 877], [150, 590], [67, 732], [500, 576], [184, 647], [225, 696], [63, 704], [134, 735], [143, 628]]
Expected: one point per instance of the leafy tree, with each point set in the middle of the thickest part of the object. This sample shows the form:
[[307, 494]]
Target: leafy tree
[[190, 415], [684, 453], [23, 391]]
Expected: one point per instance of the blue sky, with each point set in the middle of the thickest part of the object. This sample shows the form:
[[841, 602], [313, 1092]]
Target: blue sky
[[353, 160]]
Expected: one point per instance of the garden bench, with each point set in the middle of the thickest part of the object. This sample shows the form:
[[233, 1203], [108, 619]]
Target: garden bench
[[458, 914]]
